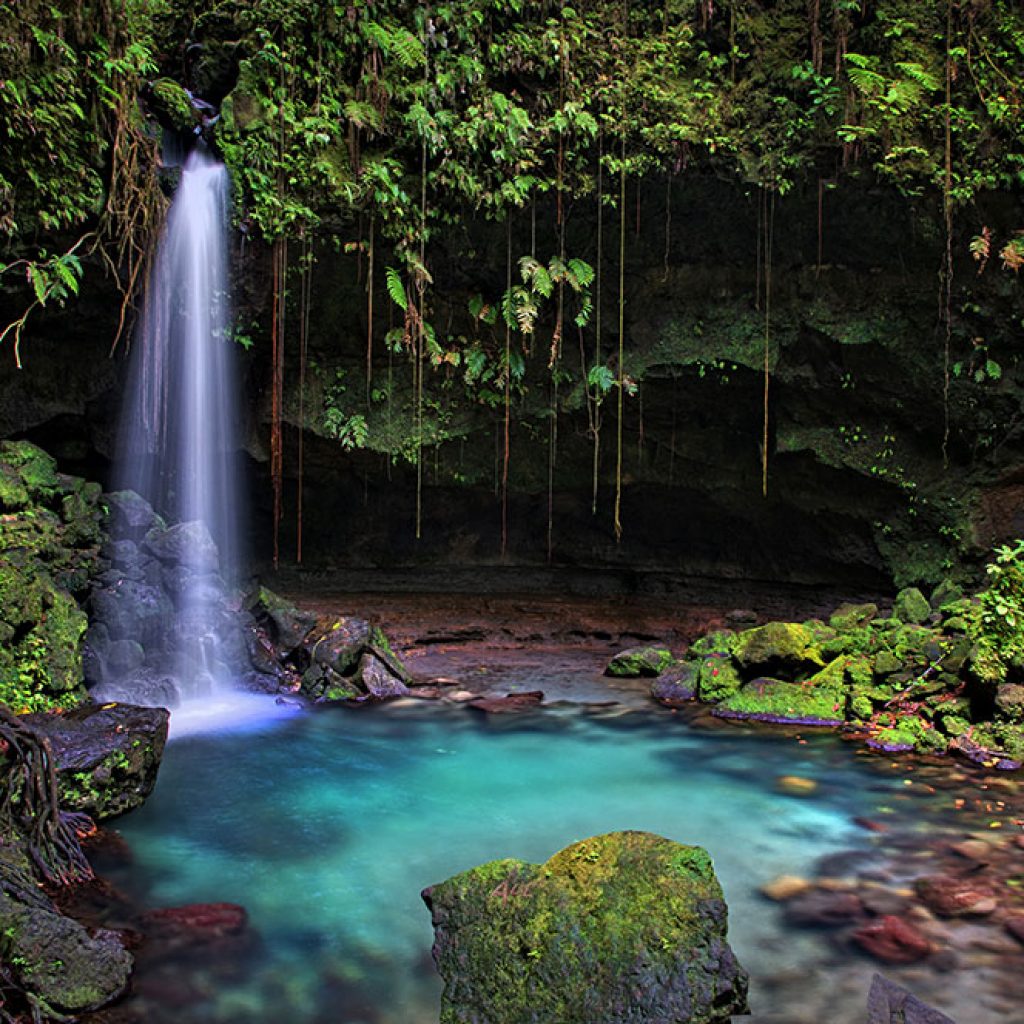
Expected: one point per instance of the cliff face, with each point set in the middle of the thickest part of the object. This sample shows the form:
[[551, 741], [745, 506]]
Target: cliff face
[[865, 484]]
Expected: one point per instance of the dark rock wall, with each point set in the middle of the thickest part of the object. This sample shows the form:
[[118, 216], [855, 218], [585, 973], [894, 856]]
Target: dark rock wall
[[862, 489]]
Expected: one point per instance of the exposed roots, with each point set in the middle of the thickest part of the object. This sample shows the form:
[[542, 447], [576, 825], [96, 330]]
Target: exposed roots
[[30, 806]]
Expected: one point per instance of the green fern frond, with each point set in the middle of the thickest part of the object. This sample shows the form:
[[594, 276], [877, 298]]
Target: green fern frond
[[396, 289]]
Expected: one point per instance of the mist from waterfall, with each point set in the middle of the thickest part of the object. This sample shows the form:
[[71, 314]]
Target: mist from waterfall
[[178, 437]]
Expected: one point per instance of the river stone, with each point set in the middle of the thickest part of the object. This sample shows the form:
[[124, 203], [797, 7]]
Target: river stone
[[640, 661], [342, 645], [624, 927], [55, 959], [677, 686], [377, 679], [107, 757]]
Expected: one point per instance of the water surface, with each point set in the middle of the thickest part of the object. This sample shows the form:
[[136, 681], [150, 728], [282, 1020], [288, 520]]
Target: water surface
[[326, 827]]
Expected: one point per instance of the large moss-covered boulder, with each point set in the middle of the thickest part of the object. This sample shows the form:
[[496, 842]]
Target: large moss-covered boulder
[[107, 757], [640, 661], [775, 700], [786, 648], [624, 927]]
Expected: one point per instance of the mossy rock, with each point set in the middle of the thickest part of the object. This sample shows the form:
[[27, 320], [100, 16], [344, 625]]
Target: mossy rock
[[27, 475], [172, 105], [107, 757], [778, 647], [41, 627], [886, 663], [852, 616], [908, 732], [289, 624], [718, 640], [945, 595], [623, 927], [651, 660], [717, 678], [779, 701], [911, 606], [56, 960]]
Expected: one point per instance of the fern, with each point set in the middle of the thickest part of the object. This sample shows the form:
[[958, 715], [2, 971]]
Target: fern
[[363, 114], [865, 79], [396, 289], [586, 308], [583, 272], [925, 79]]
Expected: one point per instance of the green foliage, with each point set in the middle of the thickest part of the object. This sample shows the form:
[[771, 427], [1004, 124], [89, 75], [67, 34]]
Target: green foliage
[[996, 624]]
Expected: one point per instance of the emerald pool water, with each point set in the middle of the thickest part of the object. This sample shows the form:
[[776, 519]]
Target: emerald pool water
[[326, 825]]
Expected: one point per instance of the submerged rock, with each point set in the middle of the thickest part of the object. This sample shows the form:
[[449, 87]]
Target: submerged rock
[[888, 1002], [893, 940], [107, 756], [510, 703], [624, 927]]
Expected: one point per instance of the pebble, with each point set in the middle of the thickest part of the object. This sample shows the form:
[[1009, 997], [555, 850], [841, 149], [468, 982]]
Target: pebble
[[461, 696], [784, 887], [973, 849], [796, 785]]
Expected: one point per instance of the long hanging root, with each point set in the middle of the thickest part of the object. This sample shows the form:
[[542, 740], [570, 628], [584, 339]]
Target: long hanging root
[[31, 806]]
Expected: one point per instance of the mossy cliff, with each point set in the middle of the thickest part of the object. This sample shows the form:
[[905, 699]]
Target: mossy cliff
[[50, 532], [933, 675], [618, 928]]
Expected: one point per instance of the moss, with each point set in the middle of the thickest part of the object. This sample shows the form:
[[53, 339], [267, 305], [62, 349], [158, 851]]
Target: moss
[[41, 627], [172, 105], [717, 678], [850, 616], [911, 606], [909, 732], [774, 700], [718, 640], [886, 663], [27, 474], [640, 661]]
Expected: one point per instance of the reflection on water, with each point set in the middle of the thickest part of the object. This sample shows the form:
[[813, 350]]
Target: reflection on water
[[327, 826]]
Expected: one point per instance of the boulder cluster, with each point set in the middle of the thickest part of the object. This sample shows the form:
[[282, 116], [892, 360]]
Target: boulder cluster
[[910, 679]]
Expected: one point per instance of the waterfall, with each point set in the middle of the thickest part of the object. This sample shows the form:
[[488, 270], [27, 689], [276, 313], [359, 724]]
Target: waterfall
[[177, 444]]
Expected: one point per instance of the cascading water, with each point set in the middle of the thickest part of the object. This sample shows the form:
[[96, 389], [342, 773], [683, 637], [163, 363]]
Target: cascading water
[[177, 441], [177, 438]]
